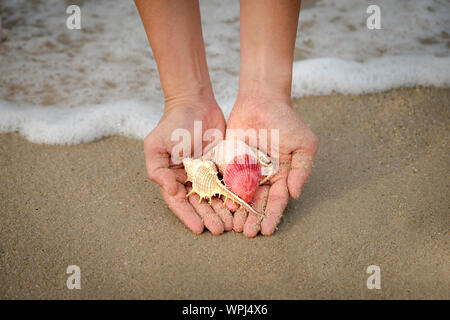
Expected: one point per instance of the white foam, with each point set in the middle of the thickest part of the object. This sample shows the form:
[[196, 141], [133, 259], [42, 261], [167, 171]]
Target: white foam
[[62, 86], [64, 125], [331, 75]]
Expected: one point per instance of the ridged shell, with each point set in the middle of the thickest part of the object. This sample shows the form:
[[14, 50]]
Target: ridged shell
[[242, 175]]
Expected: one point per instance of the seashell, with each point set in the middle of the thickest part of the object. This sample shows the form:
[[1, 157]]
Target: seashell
[[243, 168], [242, 175], [205, 181]]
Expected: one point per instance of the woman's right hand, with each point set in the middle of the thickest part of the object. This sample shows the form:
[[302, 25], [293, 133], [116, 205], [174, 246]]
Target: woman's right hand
[[171, 176]]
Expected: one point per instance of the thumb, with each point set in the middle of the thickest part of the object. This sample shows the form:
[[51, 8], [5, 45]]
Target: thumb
[[157, 165], [301, 167]]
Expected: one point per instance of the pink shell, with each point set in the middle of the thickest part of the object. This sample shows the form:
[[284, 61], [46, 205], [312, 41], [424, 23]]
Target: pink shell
[[242, 175]]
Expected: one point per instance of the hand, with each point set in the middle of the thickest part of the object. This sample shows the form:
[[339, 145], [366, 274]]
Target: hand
[[297, 148], [171, 177]]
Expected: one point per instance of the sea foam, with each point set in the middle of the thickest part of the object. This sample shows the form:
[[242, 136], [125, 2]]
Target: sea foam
[[61, 86]]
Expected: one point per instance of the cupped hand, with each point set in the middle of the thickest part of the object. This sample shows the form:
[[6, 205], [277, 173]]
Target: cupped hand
[[170, 176], [297, 148]]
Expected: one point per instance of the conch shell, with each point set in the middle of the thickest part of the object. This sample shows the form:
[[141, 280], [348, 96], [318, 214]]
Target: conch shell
[[205, 181], [243, 167]]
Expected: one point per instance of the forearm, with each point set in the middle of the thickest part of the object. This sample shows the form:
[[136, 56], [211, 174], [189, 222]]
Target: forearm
[[268, 33], [175, 34]]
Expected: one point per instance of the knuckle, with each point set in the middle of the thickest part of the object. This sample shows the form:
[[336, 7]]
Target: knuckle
[[152, 140]]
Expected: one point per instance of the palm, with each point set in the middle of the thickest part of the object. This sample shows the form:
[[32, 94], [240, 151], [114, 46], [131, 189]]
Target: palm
[[296, 148]]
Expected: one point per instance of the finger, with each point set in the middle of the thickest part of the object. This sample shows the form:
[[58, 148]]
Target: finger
[[301, 166], [253, 222], [157, 165], [239, 219], [224, 214], [206, 212], [232, 206], [180, 206], [276, 203]]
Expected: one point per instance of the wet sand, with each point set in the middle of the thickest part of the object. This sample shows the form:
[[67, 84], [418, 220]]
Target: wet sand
[[378, 195]]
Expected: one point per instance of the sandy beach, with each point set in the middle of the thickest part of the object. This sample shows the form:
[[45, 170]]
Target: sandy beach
[[378, 195]]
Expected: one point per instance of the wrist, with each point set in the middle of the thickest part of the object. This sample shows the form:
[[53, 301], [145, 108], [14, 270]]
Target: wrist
[[192, 107], [251, 89], [198, 96]]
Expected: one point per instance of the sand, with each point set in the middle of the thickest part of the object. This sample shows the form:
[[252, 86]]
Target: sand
[[378, 195]]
